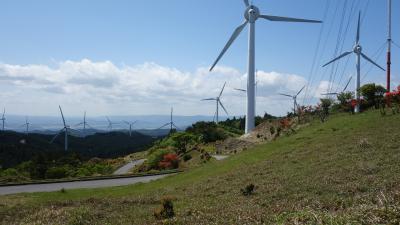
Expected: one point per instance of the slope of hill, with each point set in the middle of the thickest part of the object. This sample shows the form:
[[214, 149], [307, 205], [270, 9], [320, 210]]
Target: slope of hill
[[345, 171], [17, 147]]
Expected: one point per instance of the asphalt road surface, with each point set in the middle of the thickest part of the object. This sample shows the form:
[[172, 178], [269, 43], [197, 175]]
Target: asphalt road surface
[[125, 169], [30, 188]]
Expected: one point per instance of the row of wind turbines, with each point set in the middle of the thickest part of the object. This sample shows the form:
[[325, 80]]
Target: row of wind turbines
[[251, 15]]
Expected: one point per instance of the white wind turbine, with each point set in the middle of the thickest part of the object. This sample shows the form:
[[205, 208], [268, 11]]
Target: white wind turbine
[[170, 123], [344, 89], [110, 124], [26, 125], [84, 123], [357, 49], [294, 97], [218, 103], [130, 126], [3, 118], [252, 13], [66, 129]]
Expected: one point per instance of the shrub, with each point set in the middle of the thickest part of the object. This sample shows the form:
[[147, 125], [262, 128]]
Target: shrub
[[272, 130], [156, 157], [170, 161], [166, 211], [248, 190], [56, 173], [187, 157]]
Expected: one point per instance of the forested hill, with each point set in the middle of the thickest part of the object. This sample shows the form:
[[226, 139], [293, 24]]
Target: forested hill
[[17, 147]]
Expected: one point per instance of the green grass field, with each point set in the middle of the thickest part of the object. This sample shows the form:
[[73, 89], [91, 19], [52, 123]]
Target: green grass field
[[346, 171]]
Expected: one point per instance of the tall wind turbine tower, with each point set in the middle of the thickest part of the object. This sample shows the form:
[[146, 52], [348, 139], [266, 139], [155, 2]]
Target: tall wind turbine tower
[[84, 123], [357, 50], [3, 118], [251, 15], [171, 124], [66, 129], [389, 42], [27, 126]]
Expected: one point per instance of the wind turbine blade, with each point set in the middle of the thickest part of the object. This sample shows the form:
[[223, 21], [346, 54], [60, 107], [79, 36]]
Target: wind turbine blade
[[126, 122], [337, 58], [167, 124], [238, 89], [371, 61], [300, 91], [288, 19], [4, 112], [286, 95], [54, 138], [220, 103], [358, 28], [108, 119], [215, 114], [348, 82], [231, 40], [209, 99], [246, 2], [222, 90], [62, 115]]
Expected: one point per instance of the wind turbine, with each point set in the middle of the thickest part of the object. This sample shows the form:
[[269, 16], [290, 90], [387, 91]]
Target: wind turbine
[[252, 13], [66, 129], [294, 97], [344, 89], [218, 103], [110, 124], [26, 124], [84, 123], [3, 118], [171, 123], [130, 126], [357, 49]]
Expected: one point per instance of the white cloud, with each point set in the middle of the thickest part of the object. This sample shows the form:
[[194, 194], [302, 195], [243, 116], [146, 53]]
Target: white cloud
[[103, 87]]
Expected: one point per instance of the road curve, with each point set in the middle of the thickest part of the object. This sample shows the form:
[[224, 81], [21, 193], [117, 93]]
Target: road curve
[[31, 188], [126, 168]]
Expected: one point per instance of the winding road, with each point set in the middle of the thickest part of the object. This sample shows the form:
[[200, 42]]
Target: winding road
[[49, 187], [127, 167]]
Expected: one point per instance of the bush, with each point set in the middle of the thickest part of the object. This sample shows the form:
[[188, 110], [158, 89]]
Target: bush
[[156, 157], [248, 190], [170, 161], [166, 211], [187, 157], [56, 173]]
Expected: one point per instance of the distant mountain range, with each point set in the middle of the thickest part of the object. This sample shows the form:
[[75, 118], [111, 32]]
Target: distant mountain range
[[146, 124]]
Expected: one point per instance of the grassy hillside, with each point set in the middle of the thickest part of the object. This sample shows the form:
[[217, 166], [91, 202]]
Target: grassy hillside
[[345, 171]]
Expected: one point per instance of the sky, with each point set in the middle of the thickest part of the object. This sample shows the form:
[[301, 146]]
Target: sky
[[124, 57]]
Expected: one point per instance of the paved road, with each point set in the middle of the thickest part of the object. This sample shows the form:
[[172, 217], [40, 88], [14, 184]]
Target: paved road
[[76, 185], [125, 169]]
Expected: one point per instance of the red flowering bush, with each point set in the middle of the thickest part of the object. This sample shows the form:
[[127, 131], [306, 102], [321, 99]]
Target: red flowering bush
[[170, 161]]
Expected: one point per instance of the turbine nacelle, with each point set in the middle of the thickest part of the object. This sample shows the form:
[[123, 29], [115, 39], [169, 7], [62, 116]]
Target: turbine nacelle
[[252, 13], [357, 49]]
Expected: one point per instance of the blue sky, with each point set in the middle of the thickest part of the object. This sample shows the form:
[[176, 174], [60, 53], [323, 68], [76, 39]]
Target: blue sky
[[73, 41]]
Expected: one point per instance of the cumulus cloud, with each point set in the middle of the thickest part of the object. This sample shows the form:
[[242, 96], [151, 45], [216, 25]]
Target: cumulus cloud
[[105, 87]]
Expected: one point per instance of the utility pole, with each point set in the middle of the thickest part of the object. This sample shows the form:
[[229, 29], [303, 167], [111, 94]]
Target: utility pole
[[389, 42]]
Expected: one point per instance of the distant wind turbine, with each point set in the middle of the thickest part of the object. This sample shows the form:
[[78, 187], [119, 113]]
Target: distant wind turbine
[[110, 124], [294, 97], [26, 124], [170, 123], [252, 13], [344, 89], [357, 49], [130, 126], [3, 118], [84, 123], [66, 129], [218, 103]]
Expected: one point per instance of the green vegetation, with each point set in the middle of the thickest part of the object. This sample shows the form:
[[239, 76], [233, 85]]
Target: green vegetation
[[343, 171]]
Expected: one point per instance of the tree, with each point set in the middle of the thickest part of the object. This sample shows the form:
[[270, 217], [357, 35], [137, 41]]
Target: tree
[[372, 94], [344, 98]]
